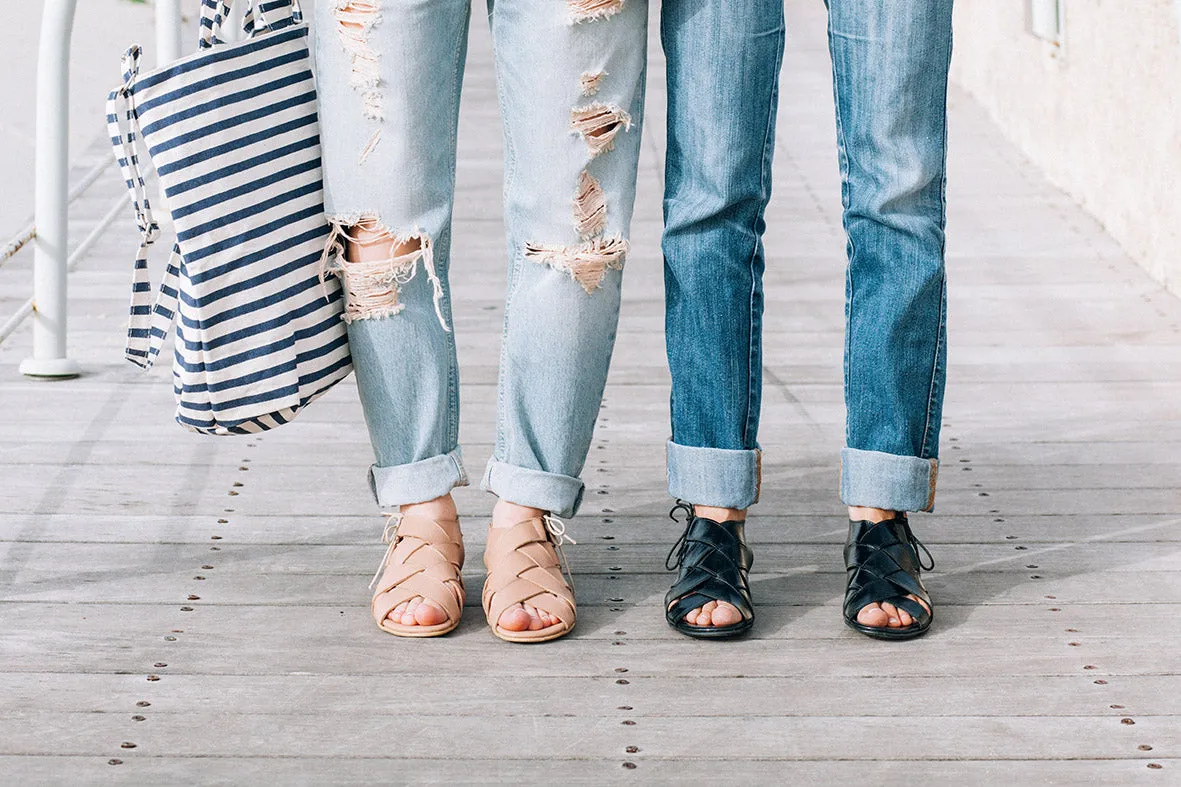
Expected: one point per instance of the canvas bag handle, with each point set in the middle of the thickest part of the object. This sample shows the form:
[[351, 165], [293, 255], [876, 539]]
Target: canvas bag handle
[[261, 16], [148, 323]]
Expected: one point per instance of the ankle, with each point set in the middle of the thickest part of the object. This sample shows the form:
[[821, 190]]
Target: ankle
[[441, 509], [863, 514], [720, 514], [506, 514]]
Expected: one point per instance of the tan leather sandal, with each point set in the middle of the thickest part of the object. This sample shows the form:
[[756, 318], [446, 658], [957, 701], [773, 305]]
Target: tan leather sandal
[[424, 559], [524, 565]]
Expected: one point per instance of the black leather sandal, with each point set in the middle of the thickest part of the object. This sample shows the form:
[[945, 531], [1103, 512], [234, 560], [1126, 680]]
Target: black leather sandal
[[714, 563], [883, 565]]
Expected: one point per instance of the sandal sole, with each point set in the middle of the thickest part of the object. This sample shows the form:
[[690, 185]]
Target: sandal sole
[[516, 636], [712, 632], [878, 632]]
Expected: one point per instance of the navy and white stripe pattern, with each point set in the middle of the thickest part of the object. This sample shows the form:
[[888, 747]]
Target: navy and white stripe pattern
[[233, 135]]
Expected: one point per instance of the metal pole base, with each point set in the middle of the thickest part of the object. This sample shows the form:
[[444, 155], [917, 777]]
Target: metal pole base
[[50, 368]]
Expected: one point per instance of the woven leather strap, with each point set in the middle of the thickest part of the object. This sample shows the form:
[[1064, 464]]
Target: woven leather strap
[[524, 568], [715, 563], [883, 565], [424, 559]]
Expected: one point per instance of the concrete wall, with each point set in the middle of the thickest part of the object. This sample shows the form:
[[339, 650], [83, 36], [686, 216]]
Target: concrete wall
[[1101, 114]]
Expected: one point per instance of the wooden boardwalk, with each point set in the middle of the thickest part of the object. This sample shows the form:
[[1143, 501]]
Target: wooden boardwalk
[[179, 609]]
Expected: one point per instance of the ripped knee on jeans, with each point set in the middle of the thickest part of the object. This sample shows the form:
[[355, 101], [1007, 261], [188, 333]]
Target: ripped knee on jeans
[[373, 264]]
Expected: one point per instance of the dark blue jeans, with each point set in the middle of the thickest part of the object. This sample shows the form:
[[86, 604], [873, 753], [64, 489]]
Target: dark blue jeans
[[890, 64]]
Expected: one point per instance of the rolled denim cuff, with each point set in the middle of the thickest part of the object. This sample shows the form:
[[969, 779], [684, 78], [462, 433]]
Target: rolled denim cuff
[[718, 477], [888, 481], [559, 494], [419, 481]]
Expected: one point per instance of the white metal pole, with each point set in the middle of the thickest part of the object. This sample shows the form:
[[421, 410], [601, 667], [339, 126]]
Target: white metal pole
[[52, 170], [167, 31]]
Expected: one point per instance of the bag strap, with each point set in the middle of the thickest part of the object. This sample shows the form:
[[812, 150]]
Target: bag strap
[[147, 324], [260, 16]]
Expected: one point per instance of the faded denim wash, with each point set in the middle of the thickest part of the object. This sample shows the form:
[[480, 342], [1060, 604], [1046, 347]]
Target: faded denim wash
[[571, 98]]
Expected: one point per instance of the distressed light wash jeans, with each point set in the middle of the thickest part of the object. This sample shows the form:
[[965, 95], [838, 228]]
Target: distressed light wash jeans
[[570, 76], [890, 63]]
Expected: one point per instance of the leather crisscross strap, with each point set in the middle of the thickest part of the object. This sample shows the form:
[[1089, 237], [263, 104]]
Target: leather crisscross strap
[[424, 559], [714, 563], [524, 567], [883, 565]]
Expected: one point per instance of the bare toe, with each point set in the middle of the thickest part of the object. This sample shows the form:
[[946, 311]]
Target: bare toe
[[892, 612], [726, 615], [515, 619], [429, 614], [873, 615]]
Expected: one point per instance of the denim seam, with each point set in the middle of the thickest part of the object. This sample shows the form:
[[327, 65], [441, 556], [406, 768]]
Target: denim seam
[[514, 278], [760, 218], [846, 201], [923, 452]]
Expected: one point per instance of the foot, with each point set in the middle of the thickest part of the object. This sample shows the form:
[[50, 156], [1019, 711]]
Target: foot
[[521, 617], [419, 611], [716, 613], [883, 615]]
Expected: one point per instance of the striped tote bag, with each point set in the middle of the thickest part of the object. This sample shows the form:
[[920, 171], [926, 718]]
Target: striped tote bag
[[233, 136]]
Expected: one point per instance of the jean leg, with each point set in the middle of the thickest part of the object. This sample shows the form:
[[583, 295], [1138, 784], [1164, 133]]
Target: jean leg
[[890, 63], [571, 79], [724, 58], [388, 76]]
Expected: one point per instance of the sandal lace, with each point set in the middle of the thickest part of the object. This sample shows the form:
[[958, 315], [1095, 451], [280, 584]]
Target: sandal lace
[[557, 530], [682, 542], [388, 536]]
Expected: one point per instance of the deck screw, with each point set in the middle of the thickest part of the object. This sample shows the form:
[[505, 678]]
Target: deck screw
[[206, 567], [623, 682], [223, 521], [998, 519], [615, 568], [170, 638], [198, 577], [608, 510], [214, 549], [244, 467], [620, 633], [143, 704], [612, 548], [628, 723], [159, 664], [1073, 644], [1089, 666], [193, 598], [617, 642], [215, 538], [632, 749], [127, 745], [1055, 609], [1035, 576], [1100, 682], [238, 483], [1020, 548], [1144, 747], [153, 677], [1010, 538], [137, 717], [186, 609], [232, 493], [601, 491], [1127, 722], [624, 669], [114, 761], [1032, 565], [625, 707], [631, 766], [616, 609], [1117, 707], [1072, 631], [1156, 766]]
